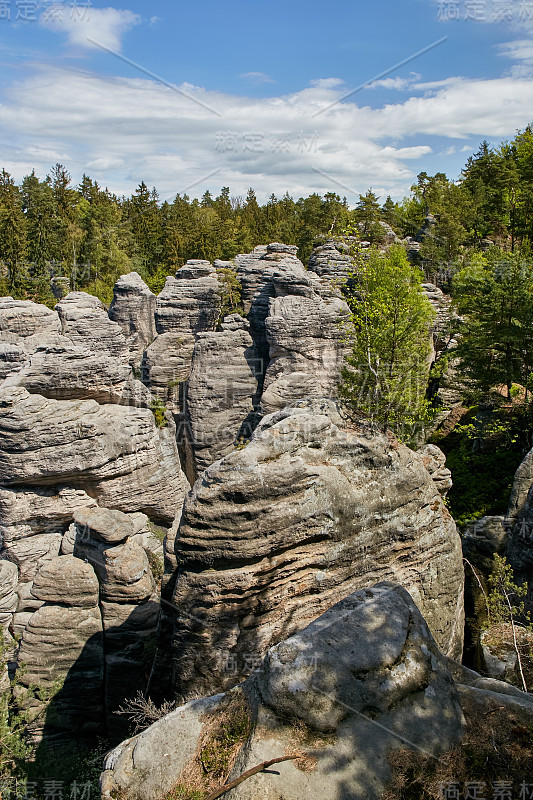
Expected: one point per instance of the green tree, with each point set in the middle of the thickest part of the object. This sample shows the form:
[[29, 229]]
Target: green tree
[[494, 295], [12, 230], [387, 370], [368, 213]]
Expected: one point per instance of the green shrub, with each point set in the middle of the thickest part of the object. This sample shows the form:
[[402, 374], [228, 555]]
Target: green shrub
[[157, 407]]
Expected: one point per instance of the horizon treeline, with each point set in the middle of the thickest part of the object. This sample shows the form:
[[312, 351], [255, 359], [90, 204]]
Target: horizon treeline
[[51, 228]]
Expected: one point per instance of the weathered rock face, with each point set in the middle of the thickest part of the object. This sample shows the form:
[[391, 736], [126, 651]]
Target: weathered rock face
[[86, 323], [12, 358], [191, 301], [331, 260], [434, 461], [305, 359], [299, 360], [133, 308], [116, 453], [309, 511], [128, 604], [62, 648], [70, 372], [66, 580], [519, 524], [222, 390], [522, 483], [33, 523], [167, 363], [9, 576], [363, 676], [104, 525], [22, 319]]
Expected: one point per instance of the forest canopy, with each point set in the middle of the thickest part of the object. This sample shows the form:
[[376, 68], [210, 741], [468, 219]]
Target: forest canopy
[[49, 227]]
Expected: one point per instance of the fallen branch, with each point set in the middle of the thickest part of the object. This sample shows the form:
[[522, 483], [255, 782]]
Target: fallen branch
[[248, 774]]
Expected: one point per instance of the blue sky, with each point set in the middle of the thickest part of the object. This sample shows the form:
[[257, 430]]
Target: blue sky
[[189, 97]]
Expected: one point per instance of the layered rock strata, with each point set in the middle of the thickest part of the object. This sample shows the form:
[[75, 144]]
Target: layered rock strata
[[133, 309], [362, 680], [191, 301], [312, 509]]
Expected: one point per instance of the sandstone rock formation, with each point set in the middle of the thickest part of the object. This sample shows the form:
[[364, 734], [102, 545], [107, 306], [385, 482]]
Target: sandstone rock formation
[[22, 320], [434, 461], [364, 678], [85, 322], [305, 360], [190, 302], [312, 509], [166, 365], [70, 372], [116, 453], [331, 260], [519, 524], [62, 649], [133, 308], [222, 390]]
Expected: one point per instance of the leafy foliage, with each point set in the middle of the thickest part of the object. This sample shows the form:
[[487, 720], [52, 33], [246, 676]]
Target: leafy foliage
[[157, 407], [494, 294], [483, 454], [386, 376]]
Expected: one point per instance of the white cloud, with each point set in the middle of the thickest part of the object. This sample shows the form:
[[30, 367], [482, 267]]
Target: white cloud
[[398, 83], [87, 26], [258, 77], [519, 50], [327, 83], [122, 131]]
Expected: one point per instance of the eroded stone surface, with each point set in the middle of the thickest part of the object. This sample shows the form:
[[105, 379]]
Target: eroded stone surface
[[309, 511], [367, 673], [133, 308]]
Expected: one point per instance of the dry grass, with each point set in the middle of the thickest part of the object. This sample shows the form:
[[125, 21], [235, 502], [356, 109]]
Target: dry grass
[[497, 746], [499, 639], [224, 732]]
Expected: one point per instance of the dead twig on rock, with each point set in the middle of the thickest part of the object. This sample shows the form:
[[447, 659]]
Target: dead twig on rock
[[248, 774]]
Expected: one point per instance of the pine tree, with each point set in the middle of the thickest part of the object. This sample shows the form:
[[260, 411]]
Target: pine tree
[[12, 230]]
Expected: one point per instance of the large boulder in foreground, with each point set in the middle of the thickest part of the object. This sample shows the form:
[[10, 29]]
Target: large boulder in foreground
[[311, 510], [362, 680]]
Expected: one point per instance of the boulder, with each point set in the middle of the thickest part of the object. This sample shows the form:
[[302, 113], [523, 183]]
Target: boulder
[[190, 302], [68, 581], [123, 570], [133, 308], [363, 679], [104, 524], [312, 509]]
